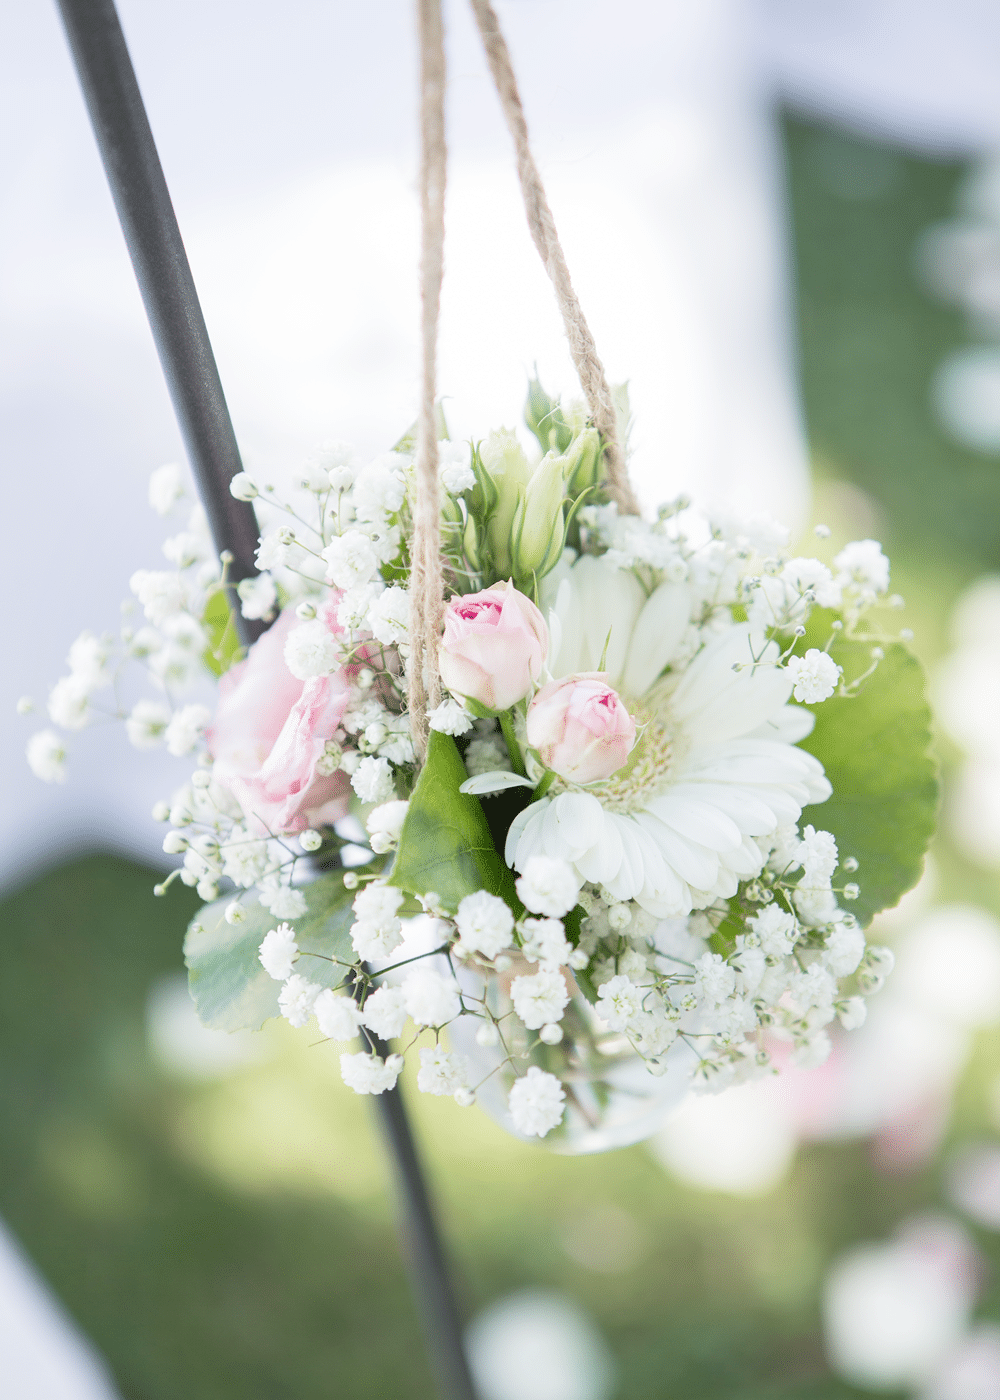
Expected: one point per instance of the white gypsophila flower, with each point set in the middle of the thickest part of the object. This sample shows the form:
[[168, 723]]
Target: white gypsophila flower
[[355, 604], [716, 766], [804, 576], [311, 650], [337, 460], [714, 979], [278, 952], [385, 540], [351, 559], [653, 1032], [536, 1102], [384, 1012], [863, 565], [258, 597], [283, 901], [619, 1003], [430, 999], [750, 962], [377, 904], [487, 755], [816, 904], [385, 825], [776, 929], [813, 1052], [845, 947], [389, 616], [46, 756], [451, 717], [485, 924], [545, 942], [372, 942], [185, 728], [379, 488], [548, 886], [361, 712], [815, 676], [397, 746], [166, 487], [88, 661], [372, 780], [147, 724], [174, 666], [276, 548], [337, 1016], [540, 999], [759, 533], [297, 999], [441, 1072], [185, 632], [244, 858], [242, 487], [784, 842], [370, 1074], [813, 988], [160, 593], [184, 549], [852, 1013], [69, 703], [817, 855], [455, 468], [633, 965]]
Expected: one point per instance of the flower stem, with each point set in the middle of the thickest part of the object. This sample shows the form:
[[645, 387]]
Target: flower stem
[[545, 782], [513, 747]]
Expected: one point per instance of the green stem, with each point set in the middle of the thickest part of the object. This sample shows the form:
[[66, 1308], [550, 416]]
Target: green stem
[[513, 747], [548, 778]]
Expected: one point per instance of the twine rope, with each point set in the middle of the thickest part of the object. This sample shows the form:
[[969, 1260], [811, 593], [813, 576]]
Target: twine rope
[[426, 575], [426, 571], [593, 379]]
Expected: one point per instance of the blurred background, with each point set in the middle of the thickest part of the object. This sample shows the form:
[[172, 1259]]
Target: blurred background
[[784, 223]]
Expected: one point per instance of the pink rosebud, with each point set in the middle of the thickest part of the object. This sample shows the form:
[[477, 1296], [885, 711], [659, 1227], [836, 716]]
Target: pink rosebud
[[269, 735], [493, 646], [580, 727]]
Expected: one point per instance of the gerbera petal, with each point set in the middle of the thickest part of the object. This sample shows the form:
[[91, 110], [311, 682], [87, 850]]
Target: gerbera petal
[[524, 834], [602, 862], [692, 862], [574, 823], [790, 725], [697, 819], [742, 804], [751, 700], [610, 601], [658, 630], [711, 672]]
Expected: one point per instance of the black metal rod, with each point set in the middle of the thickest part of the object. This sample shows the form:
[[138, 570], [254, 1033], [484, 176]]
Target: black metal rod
[[168, 292], [161, 267]]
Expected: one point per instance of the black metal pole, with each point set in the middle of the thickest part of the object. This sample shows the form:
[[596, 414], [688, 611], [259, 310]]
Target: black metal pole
[[161, 267], [168, 292]]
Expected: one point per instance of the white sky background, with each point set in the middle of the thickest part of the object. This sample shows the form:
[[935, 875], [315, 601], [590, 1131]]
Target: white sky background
[[288, 140]]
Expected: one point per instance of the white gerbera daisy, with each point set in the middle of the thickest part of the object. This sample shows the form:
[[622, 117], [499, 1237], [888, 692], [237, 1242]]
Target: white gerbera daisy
[[715, 771]]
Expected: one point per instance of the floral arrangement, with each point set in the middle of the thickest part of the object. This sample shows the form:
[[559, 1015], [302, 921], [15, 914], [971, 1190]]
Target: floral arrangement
[[664, 750]]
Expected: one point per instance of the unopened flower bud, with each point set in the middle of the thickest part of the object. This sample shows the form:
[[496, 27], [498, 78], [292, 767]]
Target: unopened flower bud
[[25, 705], [366, 678], [242, 487], [551, 1034], [180, 816], [208, 890], [350, 880], [161, 811], [877, 654], [539, 525], [583, 463], [305, 611], [822, 532], [376, 734], [487, 1034], [201, 779], [394, 1062], [310, 840], [852, 891], [329, 760], [235, 913], [174, 843], [465, 1098], [159, 891], [578, 959], [619, 917], [850, 864]]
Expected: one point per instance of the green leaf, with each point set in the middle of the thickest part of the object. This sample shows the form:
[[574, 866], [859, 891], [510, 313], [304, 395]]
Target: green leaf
[[446, 844], [875, 749], [231, 990], [223, 641]]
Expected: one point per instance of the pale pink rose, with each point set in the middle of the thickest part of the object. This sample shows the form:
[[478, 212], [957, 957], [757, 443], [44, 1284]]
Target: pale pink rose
[[269, 733], [580, 727], [493, 647]]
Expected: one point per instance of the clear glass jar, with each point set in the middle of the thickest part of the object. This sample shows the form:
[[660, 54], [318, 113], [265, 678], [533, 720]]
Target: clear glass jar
[[612, 1098]]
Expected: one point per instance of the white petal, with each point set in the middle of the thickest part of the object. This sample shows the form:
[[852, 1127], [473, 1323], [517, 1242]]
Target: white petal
[[658, 630], [603, 860], [790, 725], [524, 834], [691, 861], [753, 816], [752, 698], [574, 823], [496, 781], [609, 600], [696, 819]]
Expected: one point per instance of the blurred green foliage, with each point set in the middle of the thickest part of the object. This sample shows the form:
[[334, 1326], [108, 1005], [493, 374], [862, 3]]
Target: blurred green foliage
[[232, 1239]]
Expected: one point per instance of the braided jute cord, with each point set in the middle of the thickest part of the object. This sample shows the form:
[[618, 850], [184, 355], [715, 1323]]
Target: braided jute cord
[[426, 574], [426, 577], [543, 230]]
